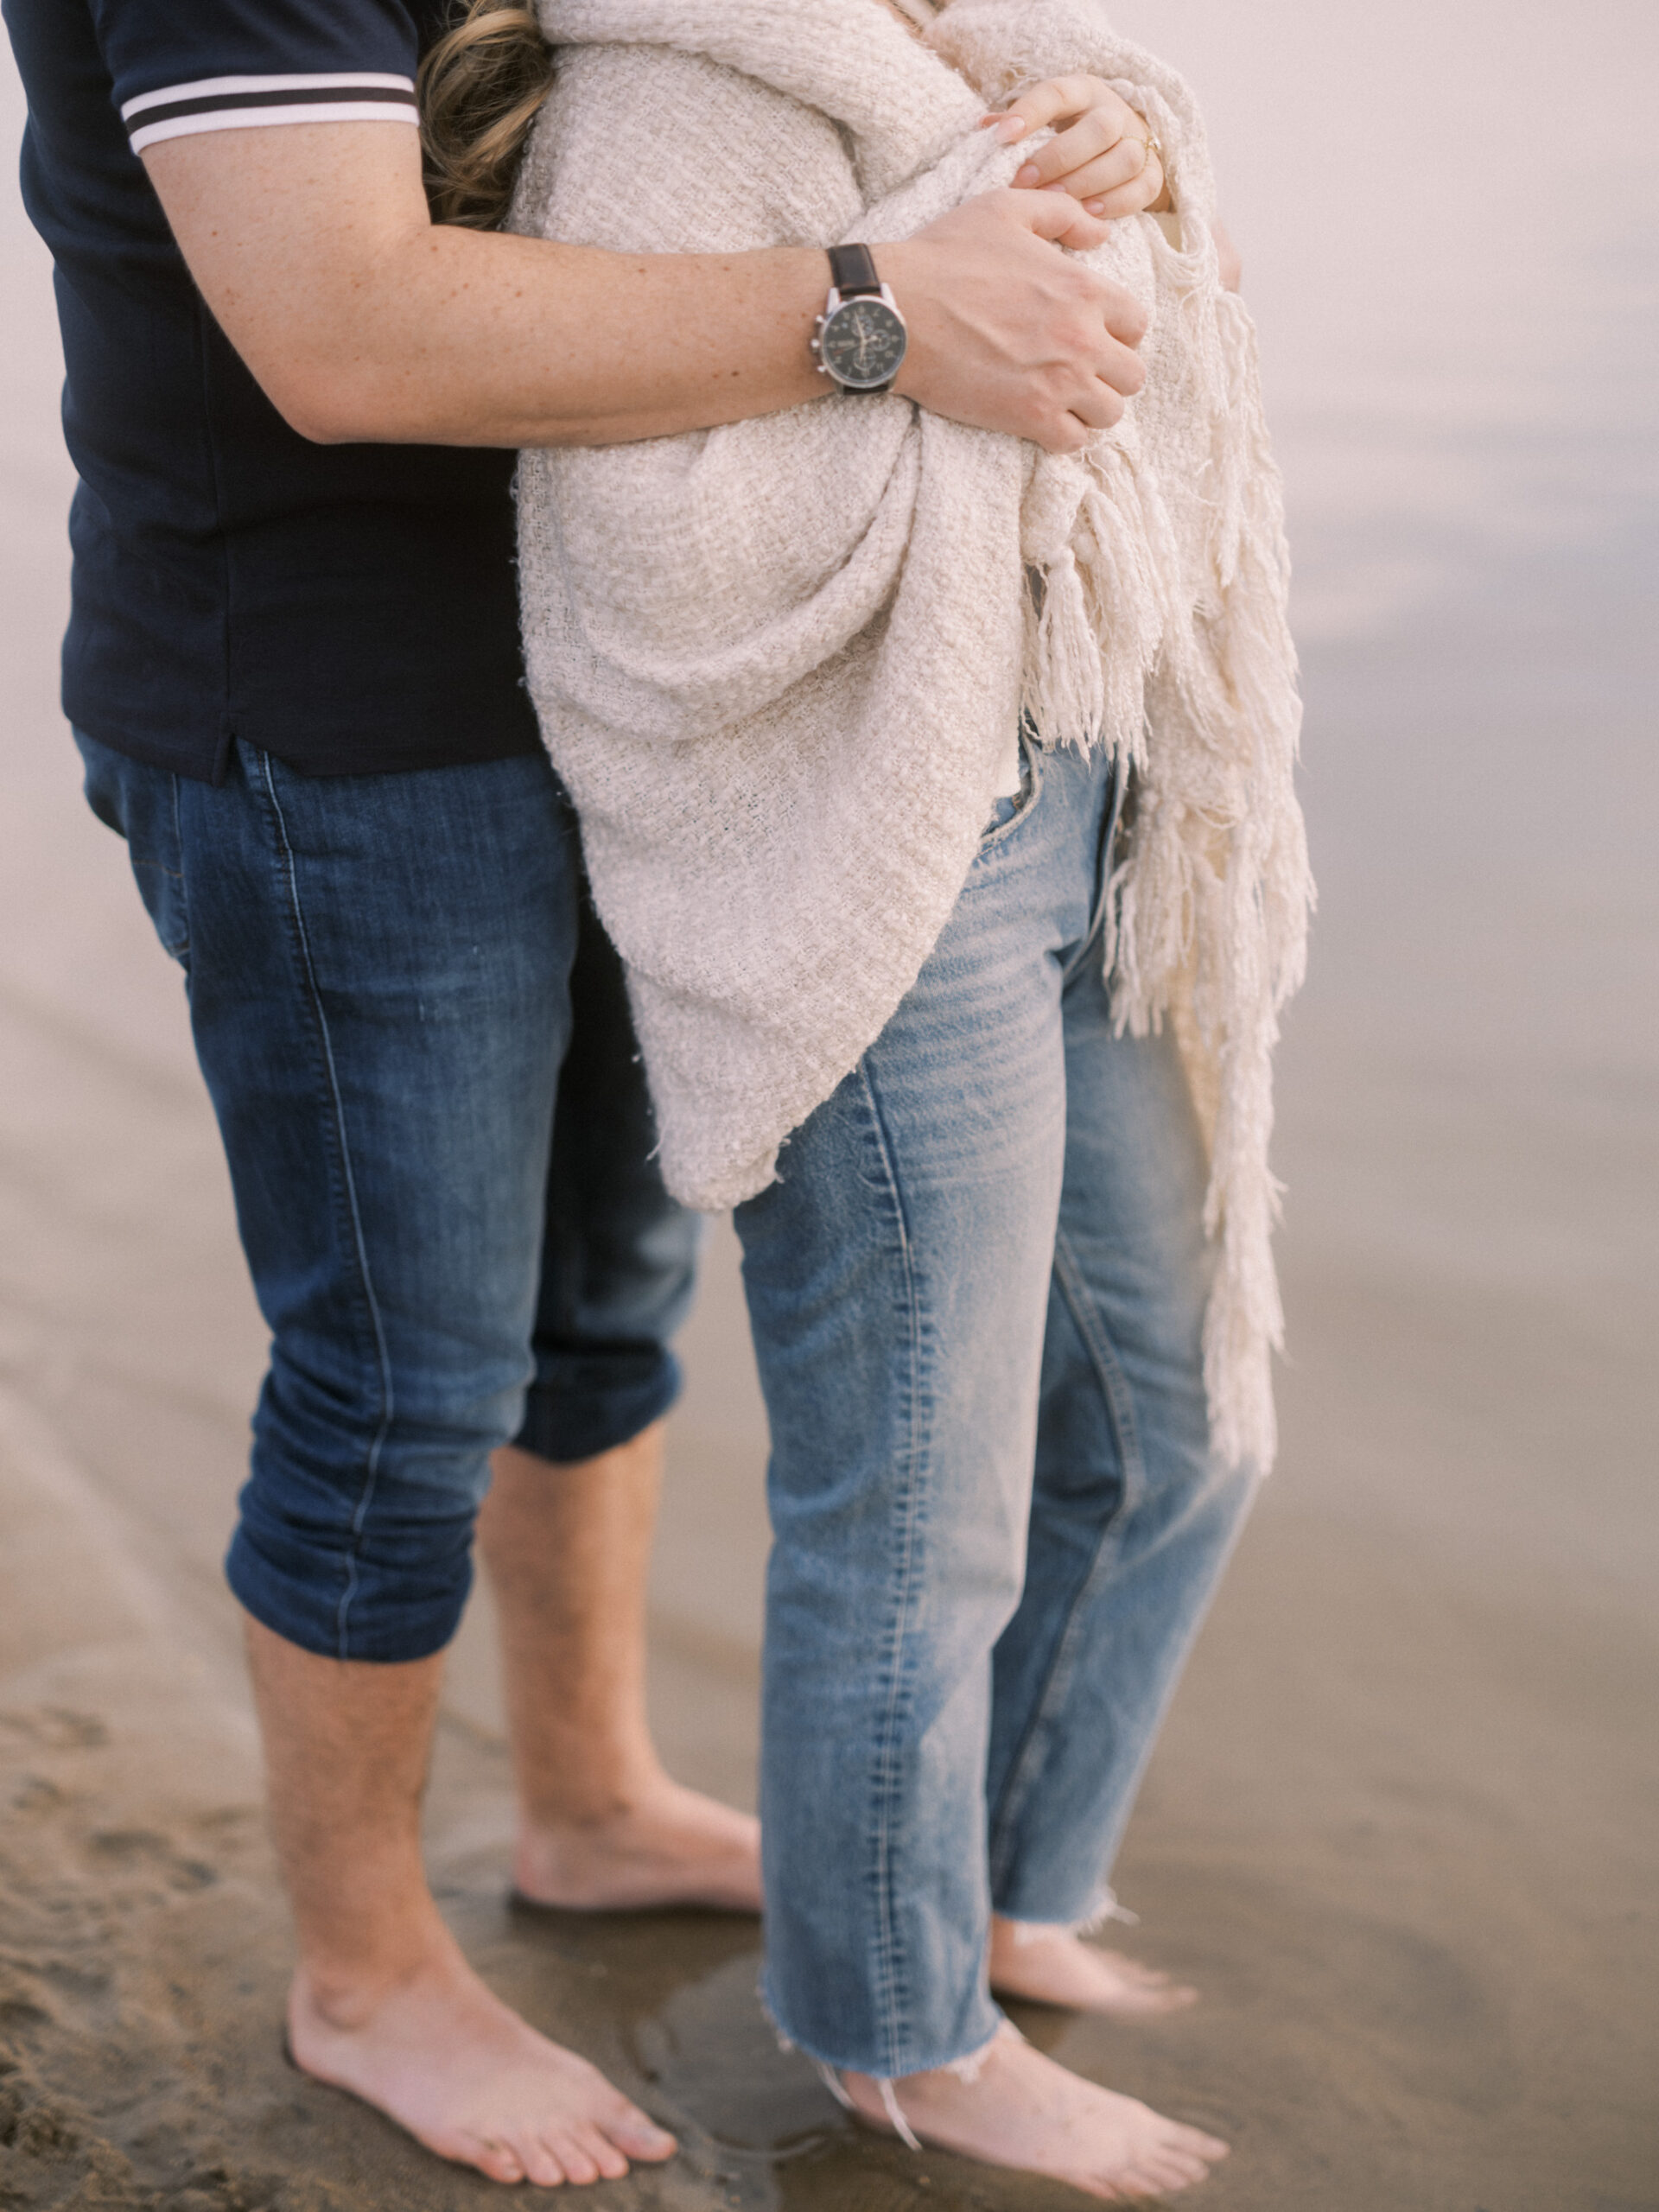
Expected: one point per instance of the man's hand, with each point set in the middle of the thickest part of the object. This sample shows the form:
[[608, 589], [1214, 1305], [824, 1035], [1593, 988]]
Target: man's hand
[[1008, 334], [364, 320]]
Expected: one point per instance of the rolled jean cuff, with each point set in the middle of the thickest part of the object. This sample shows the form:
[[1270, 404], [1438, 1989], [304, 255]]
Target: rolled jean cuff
[[345, 1603], [582, 1404]]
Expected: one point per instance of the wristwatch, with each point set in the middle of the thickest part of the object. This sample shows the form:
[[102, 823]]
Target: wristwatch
[[860, 338]]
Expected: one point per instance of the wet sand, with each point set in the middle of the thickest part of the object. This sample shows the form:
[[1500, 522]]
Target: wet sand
[[1401, 1828]]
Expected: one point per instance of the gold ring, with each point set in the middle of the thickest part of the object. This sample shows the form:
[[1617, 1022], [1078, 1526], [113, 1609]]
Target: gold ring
[[1154, 152]]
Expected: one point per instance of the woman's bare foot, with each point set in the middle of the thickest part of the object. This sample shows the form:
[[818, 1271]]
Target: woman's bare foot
[[448, 2061], [1022, 2110], [1052, 1966], [668, 1846]]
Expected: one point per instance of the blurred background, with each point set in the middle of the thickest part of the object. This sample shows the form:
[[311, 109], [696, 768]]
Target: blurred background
[[1402, 1825]]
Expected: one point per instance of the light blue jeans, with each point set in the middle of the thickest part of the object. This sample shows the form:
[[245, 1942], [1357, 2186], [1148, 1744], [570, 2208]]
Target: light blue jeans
[[977, 1291]]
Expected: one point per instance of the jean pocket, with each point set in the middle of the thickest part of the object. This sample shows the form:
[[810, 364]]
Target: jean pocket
[[1014, 809], [141, 804]]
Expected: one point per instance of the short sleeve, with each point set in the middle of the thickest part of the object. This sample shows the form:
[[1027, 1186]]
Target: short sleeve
[[180, 66]]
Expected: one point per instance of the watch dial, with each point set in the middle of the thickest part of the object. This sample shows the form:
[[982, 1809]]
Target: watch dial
[[864, 343]]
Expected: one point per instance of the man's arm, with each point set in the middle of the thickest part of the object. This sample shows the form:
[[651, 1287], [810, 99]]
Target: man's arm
[[364, 320]]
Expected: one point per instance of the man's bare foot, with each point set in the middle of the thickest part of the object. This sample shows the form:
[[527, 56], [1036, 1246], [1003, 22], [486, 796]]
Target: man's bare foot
[[1052, 1966], [1022, 2110], [449, 2062], [668, 1846]]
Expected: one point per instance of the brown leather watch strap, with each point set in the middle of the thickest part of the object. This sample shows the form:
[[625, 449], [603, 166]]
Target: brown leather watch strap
[[852, 271]]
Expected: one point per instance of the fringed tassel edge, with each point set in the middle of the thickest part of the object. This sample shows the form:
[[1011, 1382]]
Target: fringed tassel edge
[[1196, 680]]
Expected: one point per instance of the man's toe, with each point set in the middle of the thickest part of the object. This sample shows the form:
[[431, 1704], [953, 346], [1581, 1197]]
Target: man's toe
[[573, 2154], [638, 2137], [543, 2165], [1196, 2143], [496, 2160], [1167, 2169], [605, 2155]]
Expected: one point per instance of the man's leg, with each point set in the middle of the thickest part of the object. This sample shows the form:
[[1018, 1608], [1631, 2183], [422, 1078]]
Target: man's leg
[[384, 2003], [602, 1826], [566, 1532], [377, 970]]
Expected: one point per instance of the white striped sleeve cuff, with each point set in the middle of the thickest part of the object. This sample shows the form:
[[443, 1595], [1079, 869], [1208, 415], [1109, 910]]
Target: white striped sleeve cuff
[[249, 103]]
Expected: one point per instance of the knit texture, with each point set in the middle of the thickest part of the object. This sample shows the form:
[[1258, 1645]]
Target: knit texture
[[777, 664]]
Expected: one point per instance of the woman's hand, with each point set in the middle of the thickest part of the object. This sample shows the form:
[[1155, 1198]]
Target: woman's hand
[[1099, 154], [1102, 152]]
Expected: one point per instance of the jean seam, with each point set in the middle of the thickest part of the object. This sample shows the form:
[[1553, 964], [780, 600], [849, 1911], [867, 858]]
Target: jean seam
[[371, 1464], [1108, 828], [1057, 1683], [182, 953], [892, 1995]]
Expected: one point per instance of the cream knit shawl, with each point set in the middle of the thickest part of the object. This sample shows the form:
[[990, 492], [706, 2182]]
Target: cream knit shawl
[[777, 665]]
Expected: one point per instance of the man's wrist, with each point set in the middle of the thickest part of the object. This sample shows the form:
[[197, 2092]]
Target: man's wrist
[[900, 268], [860, 338]]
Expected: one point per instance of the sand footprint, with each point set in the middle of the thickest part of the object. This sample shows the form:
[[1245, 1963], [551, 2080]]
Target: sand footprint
[[142, 1850]]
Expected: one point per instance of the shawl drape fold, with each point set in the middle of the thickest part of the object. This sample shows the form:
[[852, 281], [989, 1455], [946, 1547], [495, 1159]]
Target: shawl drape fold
[[776, 664]]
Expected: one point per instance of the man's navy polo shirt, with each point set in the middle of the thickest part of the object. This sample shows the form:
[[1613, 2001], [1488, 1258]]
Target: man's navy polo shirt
[[348, 608]]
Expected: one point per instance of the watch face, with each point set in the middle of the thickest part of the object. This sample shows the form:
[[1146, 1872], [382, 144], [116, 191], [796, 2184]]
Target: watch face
[[863, 344]]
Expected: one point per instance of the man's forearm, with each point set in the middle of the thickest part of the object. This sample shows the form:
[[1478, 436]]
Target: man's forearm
[[363, 321], [557, 345]]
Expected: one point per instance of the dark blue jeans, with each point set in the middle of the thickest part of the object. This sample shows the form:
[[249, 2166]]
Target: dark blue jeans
[[456, 1231]]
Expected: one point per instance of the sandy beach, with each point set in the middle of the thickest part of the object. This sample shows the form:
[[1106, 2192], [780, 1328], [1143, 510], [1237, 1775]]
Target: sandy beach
[[1403, 1827]]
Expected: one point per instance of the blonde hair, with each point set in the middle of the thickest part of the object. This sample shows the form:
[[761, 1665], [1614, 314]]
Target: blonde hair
[[481, 88]]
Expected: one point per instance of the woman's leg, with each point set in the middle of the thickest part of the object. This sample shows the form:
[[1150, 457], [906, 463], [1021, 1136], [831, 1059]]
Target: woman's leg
[[897, 1274], [1132, 1517]]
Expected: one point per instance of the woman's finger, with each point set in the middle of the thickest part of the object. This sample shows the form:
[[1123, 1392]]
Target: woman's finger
[[1094, 133], [1123, 163], [1140, 194], [1045, 104], [1085, 138]]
